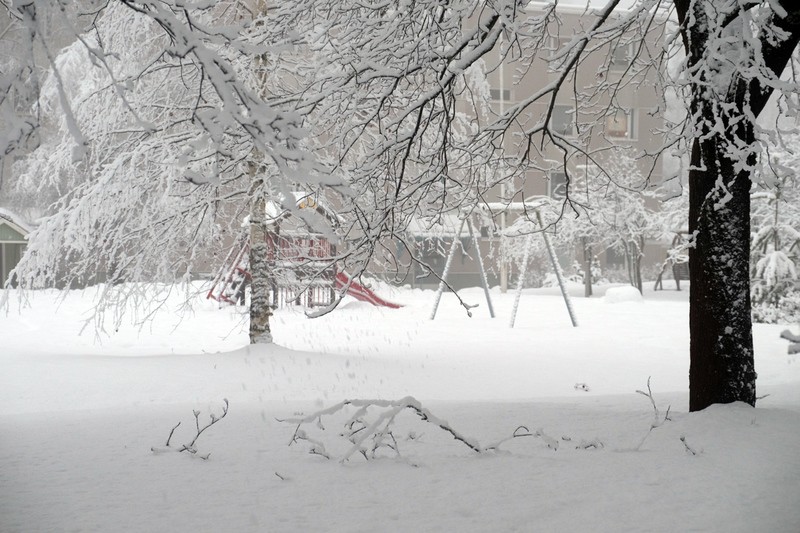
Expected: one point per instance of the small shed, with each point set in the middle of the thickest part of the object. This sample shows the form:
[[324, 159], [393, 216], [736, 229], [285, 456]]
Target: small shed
[[13, 239]]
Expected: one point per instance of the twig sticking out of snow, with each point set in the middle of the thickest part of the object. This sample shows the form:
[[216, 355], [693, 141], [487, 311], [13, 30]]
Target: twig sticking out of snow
[[689, 449], [657, 419], [199, 431], [169, 438]]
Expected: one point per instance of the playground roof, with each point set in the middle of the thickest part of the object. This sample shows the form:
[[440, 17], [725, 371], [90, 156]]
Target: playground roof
[[309, 207]]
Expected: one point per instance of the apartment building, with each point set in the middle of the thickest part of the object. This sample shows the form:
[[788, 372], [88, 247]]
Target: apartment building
[[607, 109]]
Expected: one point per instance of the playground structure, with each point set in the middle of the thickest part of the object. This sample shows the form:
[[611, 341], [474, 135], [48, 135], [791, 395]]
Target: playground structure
[[304, 272], [530, 205]]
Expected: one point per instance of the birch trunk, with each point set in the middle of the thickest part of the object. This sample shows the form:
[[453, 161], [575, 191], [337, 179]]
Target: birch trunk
[[260, 310]]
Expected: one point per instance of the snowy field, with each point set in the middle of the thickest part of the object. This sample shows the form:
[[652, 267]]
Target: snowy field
[[78, 420]]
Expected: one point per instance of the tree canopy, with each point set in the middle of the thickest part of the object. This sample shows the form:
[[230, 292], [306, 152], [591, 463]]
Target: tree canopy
[[386, 109]]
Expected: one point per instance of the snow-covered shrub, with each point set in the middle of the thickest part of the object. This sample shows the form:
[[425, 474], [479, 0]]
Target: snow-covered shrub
[[628, 293], [596, 270], [775, 275], [551, 280], [785, 311], [615, 274], [775, 239]]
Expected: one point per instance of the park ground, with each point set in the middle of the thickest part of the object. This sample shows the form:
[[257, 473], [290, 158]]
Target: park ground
[[83, 406]]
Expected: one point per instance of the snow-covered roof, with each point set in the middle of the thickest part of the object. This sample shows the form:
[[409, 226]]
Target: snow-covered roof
[[302, 200], [15, 221], [579, 7], [530, 203], [446, 225]]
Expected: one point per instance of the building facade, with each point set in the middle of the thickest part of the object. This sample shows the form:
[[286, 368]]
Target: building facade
[[609, 116]]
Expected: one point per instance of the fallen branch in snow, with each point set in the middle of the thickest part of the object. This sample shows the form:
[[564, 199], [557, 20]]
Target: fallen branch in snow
[[657, 420], [595, 443], [199, 431], [523, 431], [367, 435]]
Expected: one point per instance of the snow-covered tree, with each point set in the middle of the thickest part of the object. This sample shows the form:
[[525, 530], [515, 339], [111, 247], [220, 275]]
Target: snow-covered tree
[[619, 212], [628, 213], [734, 53], [775, 238], [736, 56], [150, 152], [393, 98]]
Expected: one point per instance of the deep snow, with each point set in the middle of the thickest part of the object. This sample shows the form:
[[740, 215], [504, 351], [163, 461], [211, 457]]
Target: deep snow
[[78, 419]]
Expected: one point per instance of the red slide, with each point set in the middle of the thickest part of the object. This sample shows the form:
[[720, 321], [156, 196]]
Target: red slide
[[359, 292]]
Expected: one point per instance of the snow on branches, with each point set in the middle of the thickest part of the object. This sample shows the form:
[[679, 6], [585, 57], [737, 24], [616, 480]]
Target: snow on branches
[[143, 167], [372, 430]]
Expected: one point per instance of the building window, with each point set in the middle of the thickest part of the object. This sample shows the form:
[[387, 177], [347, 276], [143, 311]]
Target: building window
[[557, 46], [495, 94], [621, 56], [557, 185], [620, 124], [562, 120]]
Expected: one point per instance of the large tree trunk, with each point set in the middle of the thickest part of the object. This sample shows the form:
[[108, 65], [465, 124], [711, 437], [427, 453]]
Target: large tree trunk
[[722, 365], [723, 155]]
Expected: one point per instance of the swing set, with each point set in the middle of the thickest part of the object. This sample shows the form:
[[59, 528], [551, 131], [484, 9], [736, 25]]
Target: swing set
[[531, 205]]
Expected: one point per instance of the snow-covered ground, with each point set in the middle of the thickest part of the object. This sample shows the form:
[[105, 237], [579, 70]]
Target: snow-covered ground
[[78, 419]]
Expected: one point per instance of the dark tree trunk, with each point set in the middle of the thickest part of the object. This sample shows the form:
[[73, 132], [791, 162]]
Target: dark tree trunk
[[722, 366], [723, 155]]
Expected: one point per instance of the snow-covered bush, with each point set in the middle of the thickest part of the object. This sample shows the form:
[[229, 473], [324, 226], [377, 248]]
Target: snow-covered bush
[[596, 270], [775, 217], [776, 275], [627, 293], [786, 311], [615, 274]]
